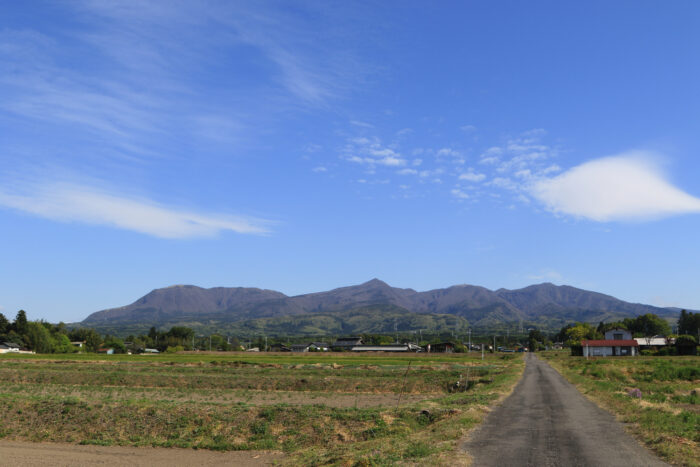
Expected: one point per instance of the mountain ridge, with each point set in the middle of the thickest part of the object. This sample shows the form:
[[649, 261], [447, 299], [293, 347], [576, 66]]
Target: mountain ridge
[[545, 305]]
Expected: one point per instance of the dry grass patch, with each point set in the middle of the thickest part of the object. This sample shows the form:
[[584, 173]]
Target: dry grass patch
[[318, 410], [666, 416]]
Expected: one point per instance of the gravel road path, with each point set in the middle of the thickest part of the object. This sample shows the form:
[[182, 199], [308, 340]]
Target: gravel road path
[[547, 422]]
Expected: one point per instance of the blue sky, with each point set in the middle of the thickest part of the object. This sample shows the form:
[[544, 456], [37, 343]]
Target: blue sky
[[305, 146]]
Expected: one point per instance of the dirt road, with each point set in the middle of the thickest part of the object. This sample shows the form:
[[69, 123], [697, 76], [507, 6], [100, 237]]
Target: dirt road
[[27, 454], [547, 422]]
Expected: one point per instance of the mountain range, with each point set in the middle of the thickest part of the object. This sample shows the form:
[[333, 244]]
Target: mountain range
[[373, 306]]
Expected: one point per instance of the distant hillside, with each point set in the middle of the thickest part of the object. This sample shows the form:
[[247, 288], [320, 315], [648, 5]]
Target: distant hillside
[[373, 306]]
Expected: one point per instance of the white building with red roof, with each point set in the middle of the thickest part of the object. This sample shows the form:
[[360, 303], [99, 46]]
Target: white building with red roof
[[617, 342]]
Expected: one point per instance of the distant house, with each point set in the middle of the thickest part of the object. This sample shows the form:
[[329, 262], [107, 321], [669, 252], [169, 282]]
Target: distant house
[[441, 347], [654, 342], [79, 344], [279, 348], [299, 347], [9, 347], [319, 346], [346, 343], [617, 342], [310, 347], [151, 351], [106, 350], [387, 348]]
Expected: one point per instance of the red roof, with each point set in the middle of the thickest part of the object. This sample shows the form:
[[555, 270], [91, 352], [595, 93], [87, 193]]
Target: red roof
[[610, 343]]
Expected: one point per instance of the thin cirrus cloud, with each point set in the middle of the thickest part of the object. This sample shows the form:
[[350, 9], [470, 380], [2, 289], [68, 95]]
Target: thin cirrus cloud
[[625, 187], [472, 176], [76, 203]]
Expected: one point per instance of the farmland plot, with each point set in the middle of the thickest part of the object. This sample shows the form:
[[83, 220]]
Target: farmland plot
[[317, 408]]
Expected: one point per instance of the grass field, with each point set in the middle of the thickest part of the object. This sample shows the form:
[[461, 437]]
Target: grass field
[[343, 409], [667, 415]]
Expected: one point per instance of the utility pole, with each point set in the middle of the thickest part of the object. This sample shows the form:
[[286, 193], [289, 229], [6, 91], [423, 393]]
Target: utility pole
[[494, 343], [482, 351], [192, 341], [209, 342], [470, 340]]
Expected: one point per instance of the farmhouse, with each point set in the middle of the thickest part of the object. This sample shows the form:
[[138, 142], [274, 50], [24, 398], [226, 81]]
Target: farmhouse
[[319, 346], [299, 347], [310, 347], [387, 348], [279, 348], [654, 342], [441, 347], [346, 343], [7, 347], [617, 342]]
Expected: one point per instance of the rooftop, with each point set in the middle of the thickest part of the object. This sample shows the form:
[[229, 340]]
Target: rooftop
[[610, 343]]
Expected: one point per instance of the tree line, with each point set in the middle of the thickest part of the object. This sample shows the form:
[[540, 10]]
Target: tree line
[[642, 326], [44, 337]]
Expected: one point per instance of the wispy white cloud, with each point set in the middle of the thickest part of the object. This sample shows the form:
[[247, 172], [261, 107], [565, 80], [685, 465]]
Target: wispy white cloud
[[626, 187], [361, 124], [407, 172], [505, 183], [491, 155], [431, 173], [523, 171], [472, 176], [319, 169], [371, 152], [459, 193], [69, 202], [447, 152]]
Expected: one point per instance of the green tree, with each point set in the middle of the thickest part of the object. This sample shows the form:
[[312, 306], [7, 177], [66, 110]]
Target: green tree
[[573, 334], [20, 324], [92, 338], [235, 344], [535, 338], [689, 323], [647, 325], [61, 344], [38, 337], [181, 332], [5, 325], [377, 339], [220, 343], [115, 343]]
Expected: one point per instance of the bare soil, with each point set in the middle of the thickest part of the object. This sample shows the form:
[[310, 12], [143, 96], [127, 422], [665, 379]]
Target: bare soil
[[27, 454]]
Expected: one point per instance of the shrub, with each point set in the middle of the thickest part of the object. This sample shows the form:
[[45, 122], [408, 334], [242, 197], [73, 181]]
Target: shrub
[[418, 450]]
